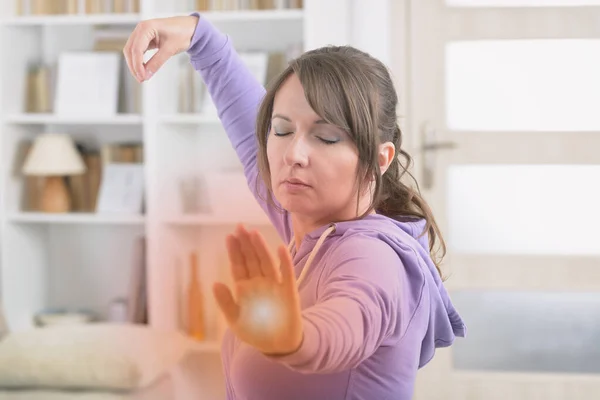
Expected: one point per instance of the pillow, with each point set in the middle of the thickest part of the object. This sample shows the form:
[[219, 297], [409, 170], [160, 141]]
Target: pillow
[[90, 356]]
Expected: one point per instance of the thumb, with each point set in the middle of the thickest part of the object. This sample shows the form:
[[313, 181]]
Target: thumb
[[226, 302], [156, 62], [287, 268]]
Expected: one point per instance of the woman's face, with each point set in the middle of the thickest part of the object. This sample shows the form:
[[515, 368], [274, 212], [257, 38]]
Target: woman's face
[[313, 164]]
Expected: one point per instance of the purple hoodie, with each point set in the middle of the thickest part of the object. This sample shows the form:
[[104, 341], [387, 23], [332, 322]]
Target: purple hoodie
[[374, 307]]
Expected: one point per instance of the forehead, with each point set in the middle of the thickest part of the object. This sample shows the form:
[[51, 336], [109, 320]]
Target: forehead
[[290, 100]]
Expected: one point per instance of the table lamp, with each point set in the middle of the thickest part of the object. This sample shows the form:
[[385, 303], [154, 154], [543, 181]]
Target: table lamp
[[54, 156]]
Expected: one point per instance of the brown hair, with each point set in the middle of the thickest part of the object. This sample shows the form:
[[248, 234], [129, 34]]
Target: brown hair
[[354, 91]]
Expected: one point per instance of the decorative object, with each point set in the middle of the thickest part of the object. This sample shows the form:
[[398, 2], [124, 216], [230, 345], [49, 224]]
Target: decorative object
[[122, 189], [189, 191], [118, 310], [195, 306], [54, 156], [137, 294], [88, 84]]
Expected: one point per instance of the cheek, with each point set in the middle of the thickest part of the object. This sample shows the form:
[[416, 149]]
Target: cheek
[[271, 153], [273, 160], [340, 172]]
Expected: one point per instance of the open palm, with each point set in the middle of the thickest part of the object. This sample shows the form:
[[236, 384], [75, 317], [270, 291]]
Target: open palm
[[265, 311]]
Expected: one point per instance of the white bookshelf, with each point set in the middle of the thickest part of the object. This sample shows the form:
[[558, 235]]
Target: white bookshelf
[[51, 119], [82, 260], [75, 218], [213, 220], [189, 118], [246, 16], [74, 19]]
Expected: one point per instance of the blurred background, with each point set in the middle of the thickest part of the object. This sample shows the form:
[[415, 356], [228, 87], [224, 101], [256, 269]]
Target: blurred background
[[116, 196]]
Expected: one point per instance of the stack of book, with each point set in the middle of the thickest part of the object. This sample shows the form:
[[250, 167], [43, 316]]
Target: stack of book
[[54, 7], [232, 5], [41, 78]]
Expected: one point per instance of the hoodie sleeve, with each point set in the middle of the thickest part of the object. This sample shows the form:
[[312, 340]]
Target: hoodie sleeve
[[358, 308], [227, 349], [237, 95]]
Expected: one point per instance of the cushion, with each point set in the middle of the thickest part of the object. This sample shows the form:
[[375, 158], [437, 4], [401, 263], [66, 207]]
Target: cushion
[[90, 356]]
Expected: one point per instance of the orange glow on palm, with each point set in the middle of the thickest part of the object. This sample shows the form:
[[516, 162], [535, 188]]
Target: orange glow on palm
[[265, 312]]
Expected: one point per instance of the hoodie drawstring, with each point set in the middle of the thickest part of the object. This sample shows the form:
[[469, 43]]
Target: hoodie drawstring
[[313, 253]]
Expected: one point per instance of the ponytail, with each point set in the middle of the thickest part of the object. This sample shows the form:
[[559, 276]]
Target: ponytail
[[398, 200]]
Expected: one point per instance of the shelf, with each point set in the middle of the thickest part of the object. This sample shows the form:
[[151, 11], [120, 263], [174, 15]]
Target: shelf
[[73, 19], [42, 119], [211, 220], [189, 119], [247, 15], [76, 218], [132, 19]]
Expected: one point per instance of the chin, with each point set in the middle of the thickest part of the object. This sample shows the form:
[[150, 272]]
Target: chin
[[295, 205]]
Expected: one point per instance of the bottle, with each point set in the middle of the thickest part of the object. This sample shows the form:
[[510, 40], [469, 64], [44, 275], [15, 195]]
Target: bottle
[[195, 302]]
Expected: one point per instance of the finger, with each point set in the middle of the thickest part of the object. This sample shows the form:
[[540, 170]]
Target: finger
[[145, 35], [250, 257], [127, 53], [129, 50], [288, 277], [156, 61], [152, 45], [226, 303], [238, 265], [265, 259]]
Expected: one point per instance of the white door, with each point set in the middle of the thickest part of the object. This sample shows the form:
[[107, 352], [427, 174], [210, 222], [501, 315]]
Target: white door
[[504, 102]]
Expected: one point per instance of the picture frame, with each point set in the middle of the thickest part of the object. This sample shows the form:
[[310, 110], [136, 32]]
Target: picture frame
[[122, 189], [87, 84]]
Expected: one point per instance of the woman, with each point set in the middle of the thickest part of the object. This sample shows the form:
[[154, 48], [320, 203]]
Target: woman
[[357, 304]]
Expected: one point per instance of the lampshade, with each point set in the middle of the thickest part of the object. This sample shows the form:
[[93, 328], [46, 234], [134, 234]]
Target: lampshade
[[53, 154]]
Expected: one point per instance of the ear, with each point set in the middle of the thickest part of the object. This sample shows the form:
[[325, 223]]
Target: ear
[[387, 152]]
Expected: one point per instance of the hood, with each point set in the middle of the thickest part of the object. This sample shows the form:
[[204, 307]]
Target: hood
[[444, 323]]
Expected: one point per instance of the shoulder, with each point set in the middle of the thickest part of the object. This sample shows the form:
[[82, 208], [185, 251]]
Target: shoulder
[[366, 258], [362, 246]]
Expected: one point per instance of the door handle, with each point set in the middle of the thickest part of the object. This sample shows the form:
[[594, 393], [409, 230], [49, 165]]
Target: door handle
[[429, 147]]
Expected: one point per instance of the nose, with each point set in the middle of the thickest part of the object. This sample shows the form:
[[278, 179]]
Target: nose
[[297, 151]]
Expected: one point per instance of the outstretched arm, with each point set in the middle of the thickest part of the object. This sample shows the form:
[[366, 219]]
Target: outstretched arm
[[358, 309]]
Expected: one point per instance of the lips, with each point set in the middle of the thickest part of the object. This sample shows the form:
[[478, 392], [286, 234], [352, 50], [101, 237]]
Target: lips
[[295, 181]]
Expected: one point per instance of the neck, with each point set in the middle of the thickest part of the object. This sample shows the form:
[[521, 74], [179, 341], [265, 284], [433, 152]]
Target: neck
[[303, 225]]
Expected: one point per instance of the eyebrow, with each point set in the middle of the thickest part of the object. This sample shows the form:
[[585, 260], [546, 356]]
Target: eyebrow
[[321, 121]]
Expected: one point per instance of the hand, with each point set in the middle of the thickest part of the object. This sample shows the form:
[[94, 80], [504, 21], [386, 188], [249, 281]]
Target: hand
[[170, 36], [266, 311]]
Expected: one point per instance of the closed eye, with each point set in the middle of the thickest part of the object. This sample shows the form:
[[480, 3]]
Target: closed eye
[[328, 141], [282, 133]]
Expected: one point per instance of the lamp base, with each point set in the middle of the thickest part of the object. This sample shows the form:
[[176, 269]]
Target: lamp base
[[55, 197]]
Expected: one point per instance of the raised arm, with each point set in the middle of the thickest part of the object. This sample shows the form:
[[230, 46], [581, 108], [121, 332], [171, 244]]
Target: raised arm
[[237, 96], [235, 92], [233, 89]]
